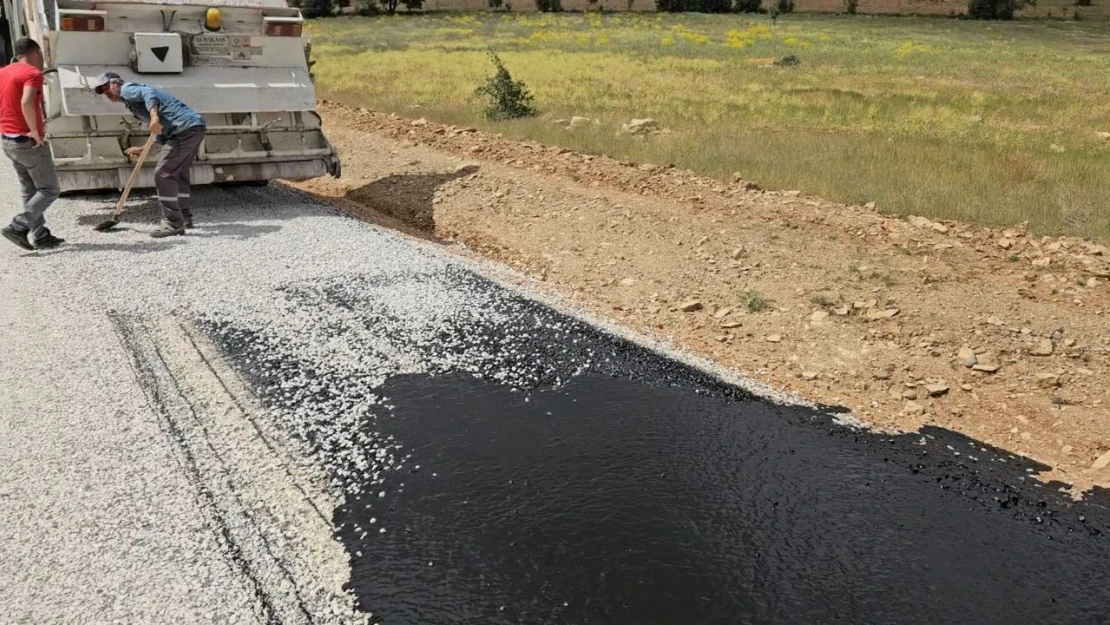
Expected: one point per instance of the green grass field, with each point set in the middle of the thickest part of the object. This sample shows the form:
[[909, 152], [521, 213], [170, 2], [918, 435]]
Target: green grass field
[[989, 122]]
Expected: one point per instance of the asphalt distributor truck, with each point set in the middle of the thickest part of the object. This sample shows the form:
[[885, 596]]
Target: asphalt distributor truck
[[242, 64]]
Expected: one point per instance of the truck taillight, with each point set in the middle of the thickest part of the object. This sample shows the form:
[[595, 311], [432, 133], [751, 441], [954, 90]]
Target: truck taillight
[[83, 23], [274, 29]]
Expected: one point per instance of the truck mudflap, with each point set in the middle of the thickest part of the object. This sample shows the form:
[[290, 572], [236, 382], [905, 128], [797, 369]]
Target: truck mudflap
[[335, 168], [200, 174]]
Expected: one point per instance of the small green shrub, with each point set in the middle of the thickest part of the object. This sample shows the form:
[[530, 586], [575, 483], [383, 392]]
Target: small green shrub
[[509, 99], [549, 6], [749, 6], [788, 61], [851, 6], [755, 301], [785, 6], [822, 301]]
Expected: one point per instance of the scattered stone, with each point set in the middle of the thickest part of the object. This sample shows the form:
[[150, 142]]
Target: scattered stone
[[1048, 380], [875, 315], [690, 306], [809, 375], [1066, 450], [578, 122], [1043, 347], [728, 325], [722, 313], [774, 338], [819, 316], [870, 206], [739, 253], [794, 193], [420, 122], [1097, 250], [919, 222], [967, 357], [1105, 136], [994, 321], [841, 312], [1042, 262], [1102, 462], [1092, 282], [937, 389], [641, 127], [882, 375], [1005, 243], [985, 368], [628, 282], [941, 228], [913, 408]]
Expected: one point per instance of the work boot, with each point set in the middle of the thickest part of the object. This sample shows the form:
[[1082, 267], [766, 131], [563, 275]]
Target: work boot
[[188, 219], [168, 230], [19, 237], [46, 240]]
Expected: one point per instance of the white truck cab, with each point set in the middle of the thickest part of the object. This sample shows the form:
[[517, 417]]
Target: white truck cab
[[242, 64]]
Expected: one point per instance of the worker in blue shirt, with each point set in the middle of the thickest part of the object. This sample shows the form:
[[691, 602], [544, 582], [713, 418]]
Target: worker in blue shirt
[[178, 130]]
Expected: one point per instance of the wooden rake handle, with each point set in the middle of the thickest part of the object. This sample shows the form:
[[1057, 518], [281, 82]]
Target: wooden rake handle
[[134, 175]]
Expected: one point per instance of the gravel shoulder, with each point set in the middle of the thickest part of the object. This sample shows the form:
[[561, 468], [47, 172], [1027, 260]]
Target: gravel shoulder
[[999, 334], [100, 521], [142, 483]]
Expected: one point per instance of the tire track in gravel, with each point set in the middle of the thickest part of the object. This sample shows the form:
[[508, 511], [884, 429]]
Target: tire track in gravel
[[257, 561]]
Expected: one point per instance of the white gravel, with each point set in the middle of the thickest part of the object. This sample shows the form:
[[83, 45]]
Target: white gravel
[[321, 309]]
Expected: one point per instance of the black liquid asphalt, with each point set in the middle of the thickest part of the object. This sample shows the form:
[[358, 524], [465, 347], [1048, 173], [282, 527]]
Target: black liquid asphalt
[[639, 491]]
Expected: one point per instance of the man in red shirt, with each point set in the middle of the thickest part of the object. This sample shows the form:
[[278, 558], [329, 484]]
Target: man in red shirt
[[22, 131]]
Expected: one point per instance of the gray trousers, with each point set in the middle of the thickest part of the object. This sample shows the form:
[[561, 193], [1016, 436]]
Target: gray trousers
[[171, 175], [37, 180]]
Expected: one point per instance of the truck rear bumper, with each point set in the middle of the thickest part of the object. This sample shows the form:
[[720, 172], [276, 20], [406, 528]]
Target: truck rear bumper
[[199, 174]]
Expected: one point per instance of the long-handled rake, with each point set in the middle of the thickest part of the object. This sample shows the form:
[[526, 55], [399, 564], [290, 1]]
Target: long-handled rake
[[108, 224]]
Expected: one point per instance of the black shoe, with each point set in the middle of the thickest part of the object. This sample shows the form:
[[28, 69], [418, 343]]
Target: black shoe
[[167, 231], [19, 237], [188, 224], [47, 240]]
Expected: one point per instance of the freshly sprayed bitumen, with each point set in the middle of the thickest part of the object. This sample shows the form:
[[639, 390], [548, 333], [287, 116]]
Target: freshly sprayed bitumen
[[495, 461], [541, 471]]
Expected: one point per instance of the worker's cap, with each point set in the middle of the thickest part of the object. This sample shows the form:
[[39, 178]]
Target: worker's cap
[[103, 80]]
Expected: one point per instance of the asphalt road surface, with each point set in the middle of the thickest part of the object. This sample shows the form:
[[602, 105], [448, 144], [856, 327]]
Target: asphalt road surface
[[291, 416]]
